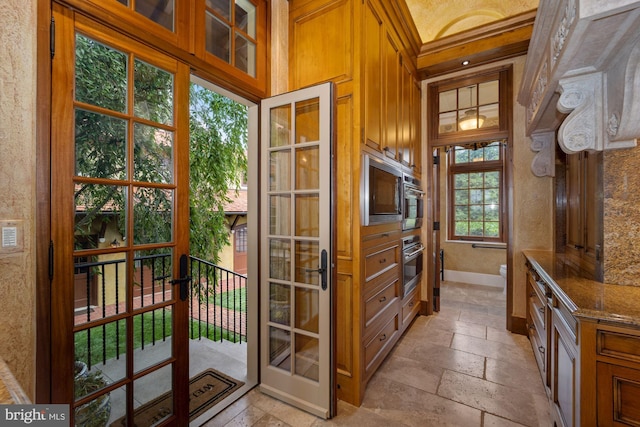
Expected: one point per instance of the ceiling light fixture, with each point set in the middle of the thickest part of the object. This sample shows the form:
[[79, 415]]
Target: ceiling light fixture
[[471, 118]]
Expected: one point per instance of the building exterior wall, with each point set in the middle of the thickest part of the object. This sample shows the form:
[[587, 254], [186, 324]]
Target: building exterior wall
[[18, 187]]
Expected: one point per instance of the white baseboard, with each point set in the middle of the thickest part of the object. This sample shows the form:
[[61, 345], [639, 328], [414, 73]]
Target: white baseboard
[[494, 280]]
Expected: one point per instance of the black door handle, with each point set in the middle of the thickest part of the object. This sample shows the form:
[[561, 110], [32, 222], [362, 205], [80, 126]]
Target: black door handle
[[184, 279], [322, 270]]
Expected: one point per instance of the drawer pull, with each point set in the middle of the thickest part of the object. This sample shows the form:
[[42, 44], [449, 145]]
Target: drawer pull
[[383, 337], [412, 303], [383, 260], [532, 327], [382, 299], [532, 294], [541, 349], [541, 310]]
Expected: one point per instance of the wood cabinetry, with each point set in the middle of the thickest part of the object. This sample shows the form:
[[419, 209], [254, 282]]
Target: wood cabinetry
[[552, 332], [368, 49], [617, 375], [583, 232], [391, 92], [592, 371]]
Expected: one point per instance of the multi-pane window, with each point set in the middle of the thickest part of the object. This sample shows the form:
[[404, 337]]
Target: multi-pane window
[[476, 192], [241, 238], [231, 32], [471, 107], [159, 11]]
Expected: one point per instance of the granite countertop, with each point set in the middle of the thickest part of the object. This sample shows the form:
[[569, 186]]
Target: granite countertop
[[587, 299], [10, 390]]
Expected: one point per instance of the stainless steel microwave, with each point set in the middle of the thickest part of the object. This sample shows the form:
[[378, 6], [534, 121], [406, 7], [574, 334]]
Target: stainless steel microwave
[[381, 191]]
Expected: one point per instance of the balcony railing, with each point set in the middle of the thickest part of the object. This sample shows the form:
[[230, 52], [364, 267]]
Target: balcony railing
[[217, 304]]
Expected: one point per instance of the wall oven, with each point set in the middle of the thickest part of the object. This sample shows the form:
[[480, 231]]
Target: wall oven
[[412, 250], [413, 203]]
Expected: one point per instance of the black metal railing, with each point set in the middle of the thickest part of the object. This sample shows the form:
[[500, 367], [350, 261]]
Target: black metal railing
[[217, 304]]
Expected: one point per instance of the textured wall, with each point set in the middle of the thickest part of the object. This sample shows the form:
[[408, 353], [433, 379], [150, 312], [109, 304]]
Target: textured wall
[[17, 186], [622, 217]]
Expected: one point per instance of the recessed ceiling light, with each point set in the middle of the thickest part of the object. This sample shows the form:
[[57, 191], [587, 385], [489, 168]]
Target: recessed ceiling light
[[466, 62]]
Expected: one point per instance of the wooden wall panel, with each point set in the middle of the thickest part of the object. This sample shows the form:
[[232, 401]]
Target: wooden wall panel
[[321, 45]]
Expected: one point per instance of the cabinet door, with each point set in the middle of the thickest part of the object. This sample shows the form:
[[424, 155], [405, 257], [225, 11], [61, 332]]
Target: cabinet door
[[574, 232], [618, 395], [564, 384], [372, 58], [392, 101], [593, 209], [416, 148]]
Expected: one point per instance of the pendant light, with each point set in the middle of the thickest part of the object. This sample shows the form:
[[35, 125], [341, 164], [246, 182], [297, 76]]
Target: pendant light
[[471, 118]]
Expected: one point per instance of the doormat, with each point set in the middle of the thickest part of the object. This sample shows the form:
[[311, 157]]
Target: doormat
[[206, 389]]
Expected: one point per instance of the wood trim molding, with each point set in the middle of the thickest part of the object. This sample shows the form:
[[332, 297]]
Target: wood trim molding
[[504, 39]]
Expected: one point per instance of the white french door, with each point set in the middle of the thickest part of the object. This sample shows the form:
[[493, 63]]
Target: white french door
[[296, 249]]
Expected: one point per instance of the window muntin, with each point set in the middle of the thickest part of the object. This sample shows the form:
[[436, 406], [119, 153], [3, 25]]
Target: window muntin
[[476, 192], [471, 107], [230, 33]]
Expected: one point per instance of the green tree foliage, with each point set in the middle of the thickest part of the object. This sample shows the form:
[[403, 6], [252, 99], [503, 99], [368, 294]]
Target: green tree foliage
[[218, 161], [218, 139]]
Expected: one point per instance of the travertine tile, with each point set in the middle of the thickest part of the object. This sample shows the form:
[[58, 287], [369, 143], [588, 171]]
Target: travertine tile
[[514, 374], [507, 402], [459, 327], [248, 417], [411, 372], [493, 349], [493, 421], [414, 407], [435, 357]]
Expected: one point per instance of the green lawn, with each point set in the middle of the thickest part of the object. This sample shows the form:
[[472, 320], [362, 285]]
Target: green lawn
[[114, 335], [234, 299]]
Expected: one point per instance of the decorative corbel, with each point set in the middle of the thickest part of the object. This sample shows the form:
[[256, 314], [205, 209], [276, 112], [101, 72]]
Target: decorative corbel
[[623, 103], [544, 144], [582, 98]]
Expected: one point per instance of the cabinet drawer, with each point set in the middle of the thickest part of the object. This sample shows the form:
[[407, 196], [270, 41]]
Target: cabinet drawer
[[379, 261], [375, 348], [410, 306], [538, 313], [618, 345], [380, 300], [539, 346]]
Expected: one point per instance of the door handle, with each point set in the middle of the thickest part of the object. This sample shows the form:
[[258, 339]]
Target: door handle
[[322, 270], [184, 279]]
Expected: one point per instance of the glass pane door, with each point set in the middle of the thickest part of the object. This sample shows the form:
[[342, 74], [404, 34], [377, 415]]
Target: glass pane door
[[295, 272], [115, 162]]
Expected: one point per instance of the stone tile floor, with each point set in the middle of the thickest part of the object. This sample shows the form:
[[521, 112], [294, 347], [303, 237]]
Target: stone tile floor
[[459, 367]]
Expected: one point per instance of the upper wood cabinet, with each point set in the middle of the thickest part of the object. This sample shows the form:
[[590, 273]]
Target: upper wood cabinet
[[583, 234], [391, 91]]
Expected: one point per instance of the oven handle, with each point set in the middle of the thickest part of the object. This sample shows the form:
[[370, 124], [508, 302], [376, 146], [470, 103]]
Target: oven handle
[[413, 191], [416, 252]]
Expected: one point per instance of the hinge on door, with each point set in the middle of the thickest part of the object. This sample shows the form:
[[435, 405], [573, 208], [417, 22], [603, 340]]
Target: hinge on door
[[52, 35], [436, 160], [436, 225], [51, 260]]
